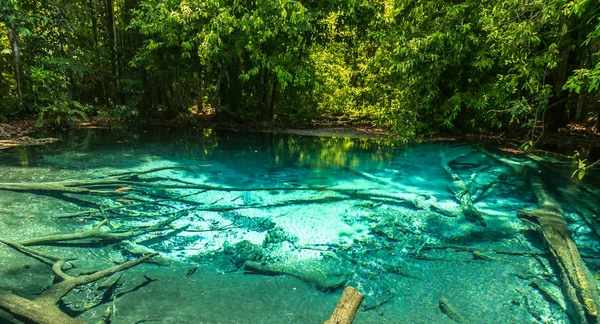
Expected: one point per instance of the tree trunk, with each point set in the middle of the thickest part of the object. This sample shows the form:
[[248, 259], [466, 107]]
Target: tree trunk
[[69, 37], [97, 48], [17, 64], [200, 91], [112, 29], [171, 110], [272, 100], [556, 115], [579, 286], [235, 85]]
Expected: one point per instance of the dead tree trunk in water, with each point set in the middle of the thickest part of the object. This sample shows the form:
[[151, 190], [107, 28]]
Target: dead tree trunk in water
[[461, 189], [579, 286]]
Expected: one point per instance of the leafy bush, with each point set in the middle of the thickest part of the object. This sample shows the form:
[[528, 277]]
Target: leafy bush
[[121, 112], [62, 114]]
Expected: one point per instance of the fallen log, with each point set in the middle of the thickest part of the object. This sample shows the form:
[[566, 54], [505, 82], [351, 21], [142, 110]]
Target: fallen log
[[104, 209], [579, 286], [347, 306], [33, 311]]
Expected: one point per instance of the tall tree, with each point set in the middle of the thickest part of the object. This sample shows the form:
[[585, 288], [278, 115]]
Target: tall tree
[[9, 14], [112, 31], [15, 47]]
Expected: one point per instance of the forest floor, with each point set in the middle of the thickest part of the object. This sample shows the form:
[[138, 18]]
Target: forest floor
[[14, 133]]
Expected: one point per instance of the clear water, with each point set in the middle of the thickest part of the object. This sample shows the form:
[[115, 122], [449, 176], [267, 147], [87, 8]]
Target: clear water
[[328, 212]]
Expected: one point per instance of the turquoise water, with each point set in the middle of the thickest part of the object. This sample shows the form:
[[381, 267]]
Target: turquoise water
[[323, 212]]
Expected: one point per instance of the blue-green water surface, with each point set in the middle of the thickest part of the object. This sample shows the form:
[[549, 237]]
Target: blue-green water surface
[[323, 213]]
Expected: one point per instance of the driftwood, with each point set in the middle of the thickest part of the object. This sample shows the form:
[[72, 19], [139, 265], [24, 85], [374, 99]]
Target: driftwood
[[43, 309], [95, 235], [455, 247], [13, 136], [579, 286], [84, 187], [347, 306]]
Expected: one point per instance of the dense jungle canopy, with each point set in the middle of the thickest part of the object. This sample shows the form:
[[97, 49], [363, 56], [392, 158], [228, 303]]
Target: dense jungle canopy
[[415, 67]]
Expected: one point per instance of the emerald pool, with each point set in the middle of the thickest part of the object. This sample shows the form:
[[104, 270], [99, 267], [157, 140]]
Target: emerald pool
[[269, 228]]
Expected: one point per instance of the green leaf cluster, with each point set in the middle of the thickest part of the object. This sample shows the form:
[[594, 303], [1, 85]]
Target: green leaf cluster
[[414, 67]]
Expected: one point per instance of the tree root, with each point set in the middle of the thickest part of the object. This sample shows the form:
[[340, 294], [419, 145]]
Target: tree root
[[7, 131], [43, 309]]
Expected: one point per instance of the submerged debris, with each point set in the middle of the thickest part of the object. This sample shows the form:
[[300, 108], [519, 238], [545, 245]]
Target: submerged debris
[[243, 251], [449, 310]]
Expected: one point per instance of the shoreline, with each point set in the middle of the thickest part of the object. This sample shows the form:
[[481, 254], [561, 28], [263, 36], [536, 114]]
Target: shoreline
[[573, 139]]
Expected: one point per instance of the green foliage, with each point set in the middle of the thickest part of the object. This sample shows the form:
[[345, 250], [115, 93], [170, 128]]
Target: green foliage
[[123, 113], [586, 79], [583, 166], [414, 67], [62, 114], [250, 50]]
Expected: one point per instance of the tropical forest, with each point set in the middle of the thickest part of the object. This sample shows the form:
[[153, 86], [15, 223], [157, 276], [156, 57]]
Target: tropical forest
[[299, 161]]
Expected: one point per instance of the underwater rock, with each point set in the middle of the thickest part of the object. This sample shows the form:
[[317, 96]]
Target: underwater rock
[[278, 235], [243, 251], [84, 297], [257, 224], [394, 229], [324, 278]]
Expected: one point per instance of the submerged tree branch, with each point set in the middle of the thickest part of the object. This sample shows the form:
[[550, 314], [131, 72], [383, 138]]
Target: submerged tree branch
[[460, 189], [43, 309]]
